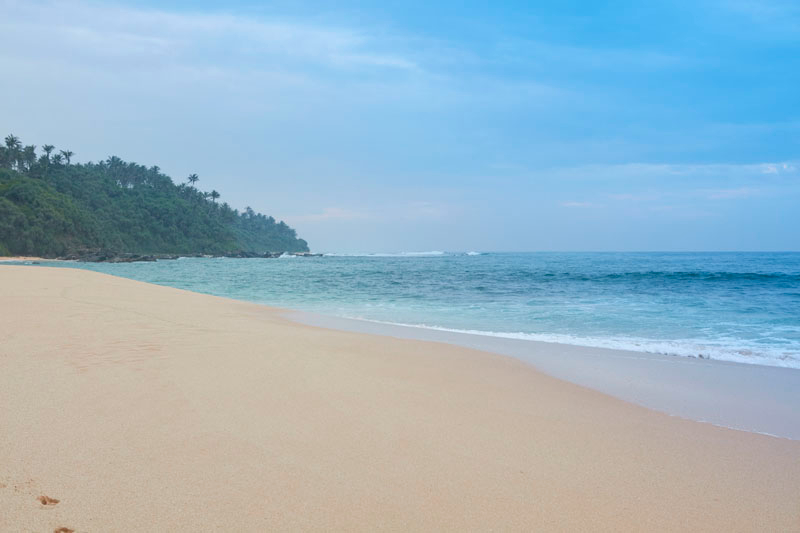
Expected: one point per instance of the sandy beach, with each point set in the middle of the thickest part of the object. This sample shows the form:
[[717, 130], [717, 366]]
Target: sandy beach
[[146, 408], [755, 398]]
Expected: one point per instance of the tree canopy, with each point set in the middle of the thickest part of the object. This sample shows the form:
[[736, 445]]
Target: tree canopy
[[51, 206]]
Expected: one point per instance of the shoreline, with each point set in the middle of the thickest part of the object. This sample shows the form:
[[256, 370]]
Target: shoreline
[[141, 406], [25, 258], [639, 346], [751, 397], [126, 257], [740, 396], [749, 342]]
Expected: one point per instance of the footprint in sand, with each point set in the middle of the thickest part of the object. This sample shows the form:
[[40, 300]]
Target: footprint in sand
[[46, 500], [63, 530]]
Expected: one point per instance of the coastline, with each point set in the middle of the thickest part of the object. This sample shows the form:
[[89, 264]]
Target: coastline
[[733, 307], [24, 258], [146, 407], [747, 397]]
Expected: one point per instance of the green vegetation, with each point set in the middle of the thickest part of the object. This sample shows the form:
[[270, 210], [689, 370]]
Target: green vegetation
[[51, 207]]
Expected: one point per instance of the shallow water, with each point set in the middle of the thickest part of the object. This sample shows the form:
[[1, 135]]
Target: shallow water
[[742, 307]]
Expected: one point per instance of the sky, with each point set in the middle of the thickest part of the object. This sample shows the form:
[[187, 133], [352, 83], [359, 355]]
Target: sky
[[412, 126]]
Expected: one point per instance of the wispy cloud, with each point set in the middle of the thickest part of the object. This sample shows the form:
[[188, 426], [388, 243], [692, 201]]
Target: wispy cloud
[[644, 172], [356, 124], [778, 168], [679, 189], [86, 31]]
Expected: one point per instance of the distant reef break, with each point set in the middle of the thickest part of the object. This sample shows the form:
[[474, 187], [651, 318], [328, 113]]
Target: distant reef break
[[120, 211]]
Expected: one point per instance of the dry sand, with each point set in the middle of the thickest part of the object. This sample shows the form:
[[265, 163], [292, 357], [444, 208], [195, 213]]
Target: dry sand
[[146, 408]]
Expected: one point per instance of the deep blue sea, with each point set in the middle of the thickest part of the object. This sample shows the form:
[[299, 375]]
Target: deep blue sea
[[741, 307]]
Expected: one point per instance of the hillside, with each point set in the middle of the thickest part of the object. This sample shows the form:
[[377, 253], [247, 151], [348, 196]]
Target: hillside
[[52, 207]]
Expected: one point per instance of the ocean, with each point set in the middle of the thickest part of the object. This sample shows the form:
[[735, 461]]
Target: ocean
[[742, 307]]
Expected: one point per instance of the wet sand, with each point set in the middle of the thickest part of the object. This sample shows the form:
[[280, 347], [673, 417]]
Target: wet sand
[[757, 398]]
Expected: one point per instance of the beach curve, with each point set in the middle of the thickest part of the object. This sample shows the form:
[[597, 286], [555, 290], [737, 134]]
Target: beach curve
[[142, 407]]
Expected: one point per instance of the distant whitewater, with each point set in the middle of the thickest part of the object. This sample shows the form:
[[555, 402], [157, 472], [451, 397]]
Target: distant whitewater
[[742, 307], [399, 254]]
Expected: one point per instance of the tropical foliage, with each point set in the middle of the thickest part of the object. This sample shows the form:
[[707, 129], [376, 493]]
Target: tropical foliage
[[50, 206]]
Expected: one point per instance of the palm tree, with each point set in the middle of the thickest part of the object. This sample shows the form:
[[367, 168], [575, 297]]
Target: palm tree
[[12, 142], [58, 159], [13, 153], [29, 156], [214, 196], [48, 148], [116, 168], [67, 155], [193, 179]]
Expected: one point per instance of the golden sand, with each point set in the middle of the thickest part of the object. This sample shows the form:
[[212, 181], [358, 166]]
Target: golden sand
[[132, 407]]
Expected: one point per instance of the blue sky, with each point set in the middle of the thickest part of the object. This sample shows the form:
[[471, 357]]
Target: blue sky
[[391, 126]]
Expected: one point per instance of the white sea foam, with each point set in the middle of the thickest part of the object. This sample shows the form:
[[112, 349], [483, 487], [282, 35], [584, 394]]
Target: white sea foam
[[680, 347], [434, 253]]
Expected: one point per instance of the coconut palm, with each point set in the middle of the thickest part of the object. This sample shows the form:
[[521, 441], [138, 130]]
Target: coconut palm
[[12, 142], [13, 151], [192, 179], [214, 196], [28, 156], [48, 148], [67, 154]]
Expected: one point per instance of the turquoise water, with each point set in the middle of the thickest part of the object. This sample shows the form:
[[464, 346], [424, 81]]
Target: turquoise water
[[732, 306]]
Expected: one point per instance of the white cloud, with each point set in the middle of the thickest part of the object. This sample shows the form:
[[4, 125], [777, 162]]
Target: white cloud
[[86, 31], [644, 172], [778, 168]]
